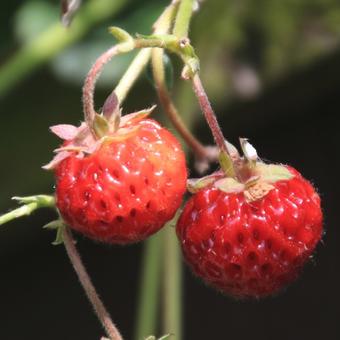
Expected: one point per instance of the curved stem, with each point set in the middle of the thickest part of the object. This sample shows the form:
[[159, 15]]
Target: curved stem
[[90, 82], [170, 108], [87, 284], [131, 74]]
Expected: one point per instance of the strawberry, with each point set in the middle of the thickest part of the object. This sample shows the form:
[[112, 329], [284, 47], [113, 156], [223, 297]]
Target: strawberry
[[249, 236], [122, 187]]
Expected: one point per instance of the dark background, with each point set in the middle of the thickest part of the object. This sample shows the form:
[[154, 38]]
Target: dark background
[[291, 115]]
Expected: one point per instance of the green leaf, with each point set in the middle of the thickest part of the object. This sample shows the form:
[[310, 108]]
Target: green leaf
[[59, 237]]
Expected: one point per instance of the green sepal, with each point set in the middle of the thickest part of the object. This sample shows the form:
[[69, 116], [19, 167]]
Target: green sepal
[[59, 237], [53, 224], [272, 173], [59, 226], [226, 164], [101, 126], [229, 185], [194, 185]]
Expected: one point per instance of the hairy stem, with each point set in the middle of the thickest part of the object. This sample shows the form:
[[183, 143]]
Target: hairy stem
[[183, 18], [53, 40], [208, 113], [90, 82], [85, 280], [131, 74], [163, 27], [149, 288], [169, 107], [213, 124]]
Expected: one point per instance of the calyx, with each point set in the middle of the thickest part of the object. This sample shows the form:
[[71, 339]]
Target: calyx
[[253, 177], [110, 125]]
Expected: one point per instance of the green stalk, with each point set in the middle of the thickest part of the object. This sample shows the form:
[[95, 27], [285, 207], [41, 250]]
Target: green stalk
[[149, 289], [53, 40], [132, 74], [151, 268], [183, 18], [172, 273], [172, 284]]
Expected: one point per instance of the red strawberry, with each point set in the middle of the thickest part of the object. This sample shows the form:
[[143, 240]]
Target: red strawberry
[[128, 184], [250, 238]]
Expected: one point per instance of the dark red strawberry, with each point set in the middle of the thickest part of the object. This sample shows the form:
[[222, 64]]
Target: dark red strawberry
[[123, 187], [250, 237]]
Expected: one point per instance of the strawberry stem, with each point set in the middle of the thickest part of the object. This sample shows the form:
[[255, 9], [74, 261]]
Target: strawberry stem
[[212, 121], [169, 106], [209, 113], [89, 86], [162, 27], [88, 286]]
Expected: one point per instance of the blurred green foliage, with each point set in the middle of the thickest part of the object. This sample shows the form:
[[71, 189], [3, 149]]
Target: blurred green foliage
[[271, 37]]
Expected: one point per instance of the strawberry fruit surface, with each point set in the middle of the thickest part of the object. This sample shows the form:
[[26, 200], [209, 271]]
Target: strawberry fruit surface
[[126, 189], [251, 247]]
